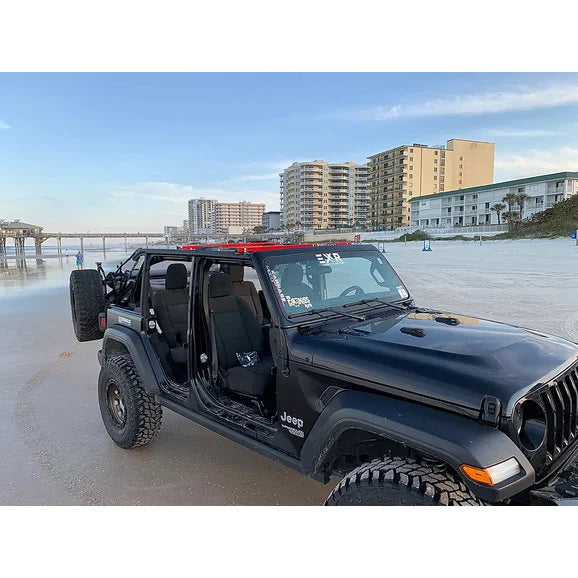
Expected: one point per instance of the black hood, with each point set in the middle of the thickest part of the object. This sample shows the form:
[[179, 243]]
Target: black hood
[[444, 356]]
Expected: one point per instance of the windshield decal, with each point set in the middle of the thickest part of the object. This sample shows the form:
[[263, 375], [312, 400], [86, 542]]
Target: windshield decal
[[276, 284], [329, 258], [402, 292], [299, 302]]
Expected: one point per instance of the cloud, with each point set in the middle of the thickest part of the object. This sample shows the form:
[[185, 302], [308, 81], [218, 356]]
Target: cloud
[[259, 171], [4, 125], [521, 99], [497, 132], [278, 165], [177, 194], [535, 162], [266, 177], [156, 191]]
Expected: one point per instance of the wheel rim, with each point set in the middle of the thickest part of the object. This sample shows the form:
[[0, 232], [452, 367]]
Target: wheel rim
[[116, 405]]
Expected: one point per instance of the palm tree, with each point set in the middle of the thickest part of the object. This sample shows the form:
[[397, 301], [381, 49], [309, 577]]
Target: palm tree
[[511, 199], [498, 208], [521, 199], [511, 217]]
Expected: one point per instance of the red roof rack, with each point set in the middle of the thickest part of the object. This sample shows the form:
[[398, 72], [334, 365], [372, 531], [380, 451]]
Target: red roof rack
[[225, 245], [257, 246]]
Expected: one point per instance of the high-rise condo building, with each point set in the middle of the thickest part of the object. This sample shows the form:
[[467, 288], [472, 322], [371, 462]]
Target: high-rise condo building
[[398, 175], [202, 217], [323, 195]]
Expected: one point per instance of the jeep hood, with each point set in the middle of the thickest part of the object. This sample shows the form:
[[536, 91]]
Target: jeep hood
[[444, 356]]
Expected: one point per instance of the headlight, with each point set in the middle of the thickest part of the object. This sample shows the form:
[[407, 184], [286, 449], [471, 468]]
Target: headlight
[[494, 474], [530, 425]]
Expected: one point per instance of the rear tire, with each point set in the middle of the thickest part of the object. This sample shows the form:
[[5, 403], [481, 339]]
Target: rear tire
[[130, 415], [86, 303], [401, 482]]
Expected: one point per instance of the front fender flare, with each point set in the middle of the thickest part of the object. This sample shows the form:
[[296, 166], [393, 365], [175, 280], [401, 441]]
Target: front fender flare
[[451, 438], [133, 343]]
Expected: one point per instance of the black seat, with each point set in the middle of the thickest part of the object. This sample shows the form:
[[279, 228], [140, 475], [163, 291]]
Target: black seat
[[236, 330], [292, 282], [246, 290], [171, 307]]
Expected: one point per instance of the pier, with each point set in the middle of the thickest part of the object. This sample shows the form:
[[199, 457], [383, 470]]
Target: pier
[[20, 232]]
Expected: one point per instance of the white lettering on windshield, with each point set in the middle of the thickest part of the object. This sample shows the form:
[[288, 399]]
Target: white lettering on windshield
[[329, 258], [299, 302], [273, 276]]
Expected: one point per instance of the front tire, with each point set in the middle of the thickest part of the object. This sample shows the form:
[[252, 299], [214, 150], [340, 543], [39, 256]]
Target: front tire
[[401, 482], [130, 415]]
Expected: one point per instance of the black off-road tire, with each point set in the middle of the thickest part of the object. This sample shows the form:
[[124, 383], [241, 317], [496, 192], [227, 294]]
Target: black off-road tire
[[86, 303], [143, 415], [401, 482]]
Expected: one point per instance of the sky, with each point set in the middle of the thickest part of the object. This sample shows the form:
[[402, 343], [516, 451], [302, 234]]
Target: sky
[[124, 152]]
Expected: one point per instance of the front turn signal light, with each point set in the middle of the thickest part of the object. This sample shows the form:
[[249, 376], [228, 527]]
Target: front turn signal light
[[494, 474]]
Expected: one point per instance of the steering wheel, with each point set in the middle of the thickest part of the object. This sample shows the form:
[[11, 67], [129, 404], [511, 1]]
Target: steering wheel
[[355, 289]]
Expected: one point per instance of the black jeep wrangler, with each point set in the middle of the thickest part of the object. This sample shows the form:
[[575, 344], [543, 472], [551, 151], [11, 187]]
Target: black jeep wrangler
[[317, 357]]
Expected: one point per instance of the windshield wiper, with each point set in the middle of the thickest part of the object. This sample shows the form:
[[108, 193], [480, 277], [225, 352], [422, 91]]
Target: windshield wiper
[[378, 300], [327, 309]]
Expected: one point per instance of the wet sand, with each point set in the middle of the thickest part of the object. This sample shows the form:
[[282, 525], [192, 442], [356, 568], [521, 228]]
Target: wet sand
[[55, 451]]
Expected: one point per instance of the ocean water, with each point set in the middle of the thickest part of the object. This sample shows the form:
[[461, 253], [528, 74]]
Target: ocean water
[[21, 277], [31, 277]]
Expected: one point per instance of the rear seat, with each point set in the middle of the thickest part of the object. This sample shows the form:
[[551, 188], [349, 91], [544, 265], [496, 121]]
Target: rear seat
[[246, 290], [171, 307]]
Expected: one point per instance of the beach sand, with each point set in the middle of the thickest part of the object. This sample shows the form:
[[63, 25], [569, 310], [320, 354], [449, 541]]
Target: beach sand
[[55, 451]]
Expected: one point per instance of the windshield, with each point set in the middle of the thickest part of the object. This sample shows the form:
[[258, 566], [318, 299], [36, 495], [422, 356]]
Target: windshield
[[316, 281]]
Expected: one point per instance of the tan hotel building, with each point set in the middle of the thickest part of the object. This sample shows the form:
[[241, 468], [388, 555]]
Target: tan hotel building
[[242, 215], [321, 195], [210, 216], [398, 175]]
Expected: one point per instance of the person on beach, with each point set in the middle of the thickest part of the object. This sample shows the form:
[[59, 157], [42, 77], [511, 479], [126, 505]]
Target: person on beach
[[79, 260]]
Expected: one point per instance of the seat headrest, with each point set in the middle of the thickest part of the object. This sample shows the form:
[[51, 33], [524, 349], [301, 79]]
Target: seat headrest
[[220, 285], [176, 276], [293, 275], [236, 272]]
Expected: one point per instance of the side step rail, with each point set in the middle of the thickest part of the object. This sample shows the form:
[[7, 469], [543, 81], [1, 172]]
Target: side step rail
[[235, 436]]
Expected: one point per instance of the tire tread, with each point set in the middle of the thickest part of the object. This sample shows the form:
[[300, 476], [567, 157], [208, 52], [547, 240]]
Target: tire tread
[[88, 303], [149, 412], [429, 483]]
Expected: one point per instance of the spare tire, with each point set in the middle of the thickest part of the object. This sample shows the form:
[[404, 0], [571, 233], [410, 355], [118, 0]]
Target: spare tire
[[86, 303]]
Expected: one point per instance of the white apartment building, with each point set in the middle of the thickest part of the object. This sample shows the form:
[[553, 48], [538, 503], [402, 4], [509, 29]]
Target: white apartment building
[[472, 206], [321, 195], [271, 220], [202, 216]]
